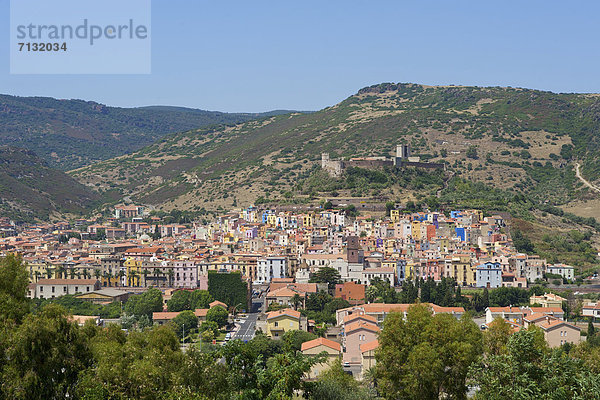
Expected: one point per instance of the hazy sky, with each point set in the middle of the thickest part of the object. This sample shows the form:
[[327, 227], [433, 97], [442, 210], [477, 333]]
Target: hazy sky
[[305, 55]]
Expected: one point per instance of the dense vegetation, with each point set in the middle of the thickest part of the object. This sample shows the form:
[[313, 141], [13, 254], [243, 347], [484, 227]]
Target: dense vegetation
[[30, 189], [73, 133], [45, 355], [228, 288]]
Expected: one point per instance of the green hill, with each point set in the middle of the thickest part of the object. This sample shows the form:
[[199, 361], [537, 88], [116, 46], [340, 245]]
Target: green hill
[[72, 133], [514, 140], [30, 189]]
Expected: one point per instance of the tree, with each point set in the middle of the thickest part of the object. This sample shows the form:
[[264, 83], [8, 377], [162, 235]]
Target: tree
[[218, 315], [591, 331], [13, 289], [200, 299], [527, 371], [44, 356], [336, 384], [210, 326], [292, 340], [296, 300], [185, 320], [425, 355], [229, 288], [179, 301], [472, 152], [496, 337], [145, 304], [328, 275], [139, 365]]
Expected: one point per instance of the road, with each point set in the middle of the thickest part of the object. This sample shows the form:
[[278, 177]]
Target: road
[[582, 179], [248, 327]]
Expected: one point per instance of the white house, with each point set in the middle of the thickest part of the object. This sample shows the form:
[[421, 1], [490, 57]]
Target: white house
[[271, 267], [566, 271], [489, 275]]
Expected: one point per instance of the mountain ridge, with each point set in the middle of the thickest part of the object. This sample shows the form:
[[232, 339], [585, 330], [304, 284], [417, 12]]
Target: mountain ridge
[[522, 140], [70, 133]]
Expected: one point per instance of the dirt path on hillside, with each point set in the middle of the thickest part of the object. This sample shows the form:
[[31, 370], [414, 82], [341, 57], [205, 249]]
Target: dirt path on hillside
[[582, 179]]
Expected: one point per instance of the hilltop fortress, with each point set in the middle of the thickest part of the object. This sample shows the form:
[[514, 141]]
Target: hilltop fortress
[[403, 159]]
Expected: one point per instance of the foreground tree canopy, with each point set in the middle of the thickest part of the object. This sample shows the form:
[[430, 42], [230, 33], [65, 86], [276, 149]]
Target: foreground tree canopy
[[423, 356], [45, 355]]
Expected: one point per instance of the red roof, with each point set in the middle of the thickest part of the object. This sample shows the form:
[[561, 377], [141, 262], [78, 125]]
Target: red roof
[[321, 342]]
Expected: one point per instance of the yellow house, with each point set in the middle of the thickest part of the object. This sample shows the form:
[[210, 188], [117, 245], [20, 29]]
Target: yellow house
[[416, 230], [271, 219], [281, 321], [307, 220], [395, 215], [410, 270], [368, 361], [134, 271], [462, 270], [318, 346], [38, 270]]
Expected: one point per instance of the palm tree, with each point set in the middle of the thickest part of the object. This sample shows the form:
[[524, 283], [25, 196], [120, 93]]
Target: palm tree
[[145, 272], [72, 272], [296, 300], [157, 273], [37, 275], [132, 278], [171, 274], [97, 273], [107, 276], [59, 272]]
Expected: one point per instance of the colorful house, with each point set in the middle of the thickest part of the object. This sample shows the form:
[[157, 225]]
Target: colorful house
[[281, 321]]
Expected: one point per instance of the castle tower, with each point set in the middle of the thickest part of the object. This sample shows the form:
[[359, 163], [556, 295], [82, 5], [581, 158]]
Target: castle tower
[[324, 160]]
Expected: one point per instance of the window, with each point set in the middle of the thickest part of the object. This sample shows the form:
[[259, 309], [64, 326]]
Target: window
[[52, 289], [276, 324]]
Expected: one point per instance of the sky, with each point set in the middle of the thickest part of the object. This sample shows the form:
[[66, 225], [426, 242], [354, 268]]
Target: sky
[[253, 56]]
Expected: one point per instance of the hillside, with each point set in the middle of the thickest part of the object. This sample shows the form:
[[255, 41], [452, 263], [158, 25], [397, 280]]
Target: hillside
[[30, 189], [524, 141], [72, 133]]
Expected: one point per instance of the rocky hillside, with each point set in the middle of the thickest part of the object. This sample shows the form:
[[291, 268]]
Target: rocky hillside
[[73, 133], [515, 140], [30, 189]]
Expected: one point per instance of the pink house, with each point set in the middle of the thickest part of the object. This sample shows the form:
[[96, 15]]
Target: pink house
[[185, 274], [357, 333]]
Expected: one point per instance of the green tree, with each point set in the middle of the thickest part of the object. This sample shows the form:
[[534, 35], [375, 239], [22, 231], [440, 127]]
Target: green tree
[[200, 299], [472, 152], [292, 340], [296, 301], [44, 356], [328, 275], [13, 289], [145, 304], [425, 355], [218, 315], [335, 384], [186, 320], [495, 338], [179, 301], [527, 371], [210, 326], [591, 331]]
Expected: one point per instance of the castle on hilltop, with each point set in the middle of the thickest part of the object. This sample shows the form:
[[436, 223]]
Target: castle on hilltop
[[402, 159]]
